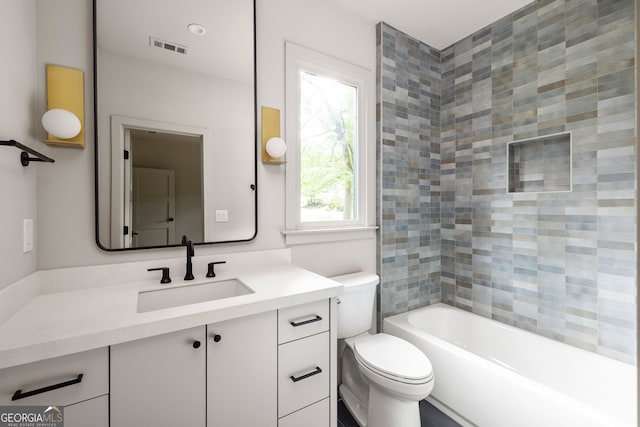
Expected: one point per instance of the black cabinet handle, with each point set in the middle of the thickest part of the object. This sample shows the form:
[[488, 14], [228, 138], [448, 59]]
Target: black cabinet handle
[[305, 322], [217, 338], [310, 374], [20, 395], [196, 344]]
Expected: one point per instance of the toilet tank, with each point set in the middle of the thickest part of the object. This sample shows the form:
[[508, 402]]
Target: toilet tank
[[355, 308]]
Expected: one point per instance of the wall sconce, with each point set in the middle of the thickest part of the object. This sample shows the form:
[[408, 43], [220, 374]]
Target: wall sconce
[[61, 123], [64, 119], [273, 147], [276, 147]]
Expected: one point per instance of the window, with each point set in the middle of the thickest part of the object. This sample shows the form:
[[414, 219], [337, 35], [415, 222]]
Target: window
[[328, 138], [326, 114]]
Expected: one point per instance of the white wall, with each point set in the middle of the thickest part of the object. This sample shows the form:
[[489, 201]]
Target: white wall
[[321, 26], [65, 191], [17, 88]]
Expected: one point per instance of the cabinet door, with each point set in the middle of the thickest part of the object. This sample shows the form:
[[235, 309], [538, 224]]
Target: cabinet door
[[242, 359], [92, 412], [159, 381]]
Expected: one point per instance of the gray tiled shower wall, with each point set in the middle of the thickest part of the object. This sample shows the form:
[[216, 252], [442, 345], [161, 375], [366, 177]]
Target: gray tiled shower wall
[[560, 264]]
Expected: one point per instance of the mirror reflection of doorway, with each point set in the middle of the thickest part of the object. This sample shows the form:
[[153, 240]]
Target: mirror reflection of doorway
[[165, 198], [153, 207]]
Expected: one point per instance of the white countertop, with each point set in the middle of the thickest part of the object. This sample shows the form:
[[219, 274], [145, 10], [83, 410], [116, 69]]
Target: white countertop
[[66, 322]]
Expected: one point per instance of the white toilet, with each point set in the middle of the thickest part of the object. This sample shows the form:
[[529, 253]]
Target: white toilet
[[383, 376]]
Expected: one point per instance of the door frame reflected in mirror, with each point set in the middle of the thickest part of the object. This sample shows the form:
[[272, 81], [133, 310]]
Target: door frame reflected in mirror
[[122, 179]]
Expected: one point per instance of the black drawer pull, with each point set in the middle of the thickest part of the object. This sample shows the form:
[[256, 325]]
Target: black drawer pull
[[305, 322], [20, 395], [310, 374]]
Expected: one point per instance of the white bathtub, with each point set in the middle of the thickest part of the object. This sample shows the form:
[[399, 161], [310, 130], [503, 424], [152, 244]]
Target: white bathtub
[[494, 375]]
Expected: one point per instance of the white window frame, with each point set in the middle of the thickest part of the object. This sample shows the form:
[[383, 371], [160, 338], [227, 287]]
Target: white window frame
[[300, 59]]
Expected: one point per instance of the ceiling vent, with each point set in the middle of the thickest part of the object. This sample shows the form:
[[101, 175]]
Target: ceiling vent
[[165, 45]]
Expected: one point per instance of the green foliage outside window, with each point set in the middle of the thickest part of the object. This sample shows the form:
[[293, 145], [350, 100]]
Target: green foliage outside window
[[328, 118]]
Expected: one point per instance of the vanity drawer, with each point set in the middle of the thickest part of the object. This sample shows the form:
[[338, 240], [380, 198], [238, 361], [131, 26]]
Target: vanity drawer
[[316, 415], [303, 373], [78, 377], [303, 320]]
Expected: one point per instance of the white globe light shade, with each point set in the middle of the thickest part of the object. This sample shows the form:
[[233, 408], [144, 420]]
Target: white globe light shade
[[276, 147], [61, 123]]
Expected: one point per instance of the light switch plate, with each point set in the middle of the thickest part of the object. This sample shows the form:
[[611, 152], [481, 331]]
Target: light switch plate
[[27, 235], [222, 216]]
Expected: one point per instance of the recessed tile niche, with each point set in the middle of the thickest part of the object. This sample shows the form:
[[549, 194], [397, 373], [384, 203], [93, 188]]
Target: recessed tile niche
[[540, 164]]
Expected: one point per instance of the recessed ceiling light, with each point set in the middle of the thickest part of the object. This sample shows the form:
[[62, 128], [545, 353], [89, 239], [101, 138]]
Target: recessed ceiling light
[[196, 29]]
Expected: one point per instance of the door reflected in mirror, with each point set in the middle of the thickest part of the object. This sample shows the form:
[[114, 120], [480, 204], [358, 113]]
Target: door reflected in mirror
[[175, 122], [166, 197]]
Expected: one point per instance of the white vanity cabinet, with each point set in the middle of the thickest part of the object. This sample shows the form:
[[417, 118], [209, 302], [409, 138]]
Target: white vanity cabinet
[[224, 372], [242, 356], [271, 369], [304, 367], [78, 382], [264, 359], [159, 381]]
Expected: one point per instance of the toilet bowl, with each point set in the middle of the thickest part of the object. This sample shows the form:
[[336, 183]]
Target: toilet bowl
[[383, 376]]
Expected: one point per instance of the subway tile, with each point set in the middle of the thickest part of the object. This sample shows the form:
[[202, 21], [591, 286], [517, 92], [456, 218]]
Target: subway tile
[[558, 264]]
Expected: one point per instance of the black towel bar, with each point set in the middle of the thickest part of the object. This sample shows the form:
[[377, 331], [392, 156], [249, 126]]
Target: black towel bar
[[24, 156]]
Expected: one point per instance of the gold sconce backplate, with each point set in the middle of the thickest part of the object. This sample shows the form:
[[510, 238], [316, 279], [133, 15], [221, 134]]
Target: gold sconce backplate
[[270, 129], [65, 90]]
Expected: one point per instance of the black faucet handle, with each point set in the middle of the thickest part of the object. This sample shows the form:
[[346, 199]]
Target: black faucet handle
[[211, 265], [165, 274]]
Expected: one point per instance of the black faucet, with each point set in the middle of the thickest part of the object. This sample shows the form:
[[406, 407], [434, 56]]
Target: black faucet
[[190, 252]]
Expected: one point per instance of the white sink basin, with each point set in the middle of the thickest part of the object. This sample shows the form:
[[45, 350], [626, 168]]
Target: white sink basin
[[190, 294]]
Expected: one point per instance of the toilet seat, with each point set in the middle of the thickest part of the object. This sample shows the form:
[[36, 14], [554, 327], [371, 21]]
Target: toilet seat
[[393, 358]]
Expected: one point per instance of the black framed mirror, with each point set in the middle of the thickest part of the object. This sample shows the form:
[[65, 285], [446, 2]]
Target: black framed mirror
[[175, 122]]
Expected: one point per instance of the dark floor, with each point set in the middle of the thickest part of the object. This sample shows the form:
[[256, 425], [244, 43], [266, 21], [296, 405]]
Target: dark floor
[[430, 416]]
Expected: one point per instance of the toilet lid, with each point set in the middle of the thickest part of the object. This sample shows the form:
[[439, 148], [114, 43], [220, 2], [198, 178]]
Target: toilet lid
[[392, 356]]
